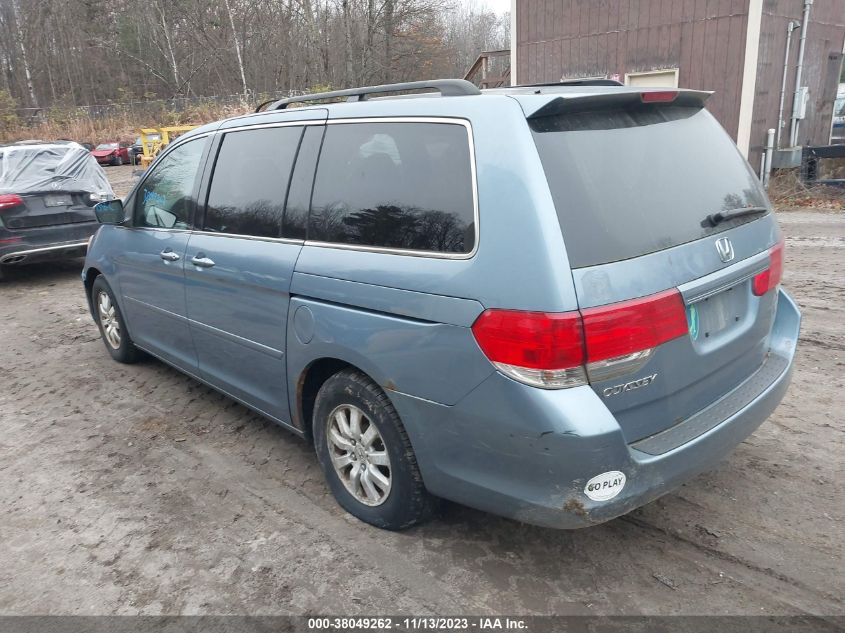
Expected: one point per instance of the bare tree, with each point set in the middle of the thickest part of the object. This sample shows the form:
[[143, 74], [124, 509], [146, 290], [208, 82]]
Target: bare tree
[[24, 56], [237, 46], [97, 51]]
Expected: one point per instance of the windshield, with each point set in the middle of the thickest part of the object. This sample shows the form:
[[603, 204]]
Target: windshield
[[107, 146], [626, 183], [51, 168]]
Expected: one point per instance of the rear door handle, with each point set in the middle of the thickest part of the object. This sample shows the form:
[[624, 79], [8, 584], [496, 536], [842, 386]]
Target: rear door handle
[[202, 261], [169, 256]]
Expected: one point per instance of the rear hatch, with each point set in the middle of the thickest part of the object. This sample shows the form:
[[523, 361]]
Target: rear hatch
[[49, 209], [667, 232]]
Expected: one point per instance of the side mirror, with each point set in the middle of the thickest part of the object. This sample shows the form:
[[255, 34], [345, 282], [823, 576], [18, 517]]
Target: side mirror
[[110, 212]]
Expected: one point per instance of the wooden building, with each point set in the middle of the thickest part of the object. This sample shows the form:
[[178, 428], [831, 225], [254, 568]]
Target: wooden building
[[736, 48]]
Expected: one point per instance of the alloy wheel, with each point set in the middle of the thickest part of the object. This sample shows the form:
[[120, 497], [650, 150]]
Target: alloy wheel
[[108, 319], [359, 455]]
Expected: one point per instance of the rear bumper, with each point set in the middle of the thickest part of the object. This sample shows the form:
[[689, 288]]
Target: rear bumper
[[45, 243], [527, 453]]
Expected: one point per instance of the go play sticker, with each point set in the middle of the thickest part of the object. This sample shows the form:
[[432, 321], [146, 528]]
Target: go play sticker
[[605, 486], [692, 320]]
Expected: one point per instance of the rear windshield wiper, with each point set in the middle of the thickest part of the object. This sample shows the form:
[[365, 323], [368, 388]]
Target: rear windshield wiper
[[722, 216]]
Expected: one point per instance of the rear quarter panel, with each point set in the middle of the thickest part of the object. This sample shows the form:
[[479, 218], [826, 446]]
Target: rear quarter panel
[[434, 361]]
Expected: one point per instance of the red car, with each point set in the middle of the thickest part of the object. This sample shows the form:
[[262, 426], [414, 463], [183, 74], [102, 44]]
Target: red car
[[111, 153]]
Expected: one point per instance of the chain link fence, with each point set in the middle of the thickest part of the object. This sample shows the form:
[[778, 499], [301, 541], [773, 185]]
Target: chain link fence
[[148, 109]]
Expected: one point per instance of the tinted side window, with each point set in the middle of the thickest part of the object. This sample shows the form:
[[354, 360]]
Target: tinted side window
[[165, 198], [395, 185], [250, 181], [301, 183]]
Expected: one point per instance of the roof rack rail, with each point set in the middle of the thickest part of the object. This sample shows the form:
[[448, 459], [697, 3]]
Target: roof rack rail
[[446, 87], [574, 82]]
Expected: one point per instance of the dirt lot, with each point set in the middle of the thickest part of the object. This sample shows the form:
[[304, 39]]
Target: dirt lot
[[122, 178], [133, 489]]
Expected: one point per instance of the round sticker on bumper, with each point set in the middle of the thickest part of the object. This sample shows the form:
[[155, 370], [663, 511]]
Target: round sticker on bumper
[[605, 486]]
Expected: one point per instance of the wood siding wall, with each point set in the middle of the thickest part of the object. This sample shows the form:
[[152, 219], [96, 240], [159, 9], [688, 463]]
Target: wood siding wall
[[822, 59], [705, 39]]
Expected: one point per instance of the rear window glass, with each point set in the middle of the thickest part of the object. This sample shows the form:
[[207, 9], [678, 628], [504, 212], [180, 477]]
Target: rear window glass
[[626, 183], [395, 185]]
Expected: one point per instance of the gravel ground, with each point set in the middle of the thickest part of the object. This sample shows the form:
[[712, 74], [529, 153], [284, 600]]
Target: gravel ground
[[122, 178], [134, 489]]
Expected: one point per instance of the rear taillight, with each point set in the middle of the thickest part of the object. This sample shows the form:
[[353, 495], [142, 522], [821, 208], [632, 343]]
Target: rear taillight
[[538, 348], [9, 201], [94, 198], [769, 278], [659, 96], [621, 336], [623, 328], [561, 349]]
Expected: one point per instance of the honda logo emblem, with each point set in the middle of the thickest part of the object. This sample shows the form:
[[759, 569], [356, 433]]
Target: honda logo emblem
[[725, 249]]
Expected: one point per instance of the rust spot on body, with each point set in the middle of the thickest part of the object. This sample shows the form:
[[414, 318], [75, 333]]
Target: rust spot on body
[[575, 506]]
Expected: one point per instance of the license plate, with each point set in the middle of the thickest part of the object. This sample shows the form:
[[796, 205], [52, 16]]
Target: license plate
[[716, 313], [57, 201]]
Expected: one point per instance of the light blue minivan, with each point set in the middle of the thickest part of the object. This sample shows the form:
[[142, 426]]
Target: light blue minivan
[[552, 303]]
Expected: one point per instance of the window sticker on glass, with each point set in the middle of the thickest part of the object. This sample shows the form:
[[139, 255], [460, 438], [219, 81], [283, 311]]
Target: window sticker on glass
[[167, 200]]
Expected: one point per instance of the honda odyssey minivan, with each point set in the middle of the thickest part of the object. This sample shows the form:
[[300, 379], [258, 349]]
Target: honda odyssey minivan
[[552, 303]]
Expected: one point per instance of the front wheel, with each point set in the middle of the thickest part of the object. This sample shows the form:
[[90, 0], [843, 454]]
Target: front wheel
[[111, 323], [366, 455]]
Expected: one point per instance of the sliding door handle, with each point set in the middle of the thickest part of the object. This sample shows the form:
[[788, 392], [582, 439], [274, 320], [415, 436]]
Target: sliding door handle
[[201, 261]]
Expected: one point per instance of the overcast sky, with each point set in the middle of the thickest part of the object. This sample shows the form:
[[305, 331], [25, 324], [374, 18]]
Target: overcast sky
[[499, 6]]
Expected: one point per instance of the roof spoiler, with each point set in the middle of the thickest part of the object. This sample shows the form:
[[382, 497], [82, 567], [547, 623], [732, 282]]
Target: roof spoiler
[[573, 82], [621, 100]]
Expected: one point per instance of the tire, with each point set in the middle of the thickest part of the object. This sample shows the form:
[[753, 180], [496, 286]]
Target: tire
[[2, 271], [122, 349], [118, 161], [405, 502]]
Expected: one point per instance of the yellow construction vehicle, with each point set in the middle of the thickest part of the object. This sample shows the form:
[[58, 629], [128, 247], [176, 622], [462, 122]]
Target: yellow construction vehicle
[[154, 139]]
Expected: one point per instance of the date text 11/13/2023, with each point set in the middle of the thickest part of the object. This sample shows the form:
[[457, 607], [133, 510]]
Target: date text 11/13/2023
[[387, 623]]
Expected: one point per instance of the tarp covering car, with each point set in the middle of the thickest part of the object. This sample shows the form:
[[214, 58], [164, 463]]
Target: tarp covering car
[[51, 167]]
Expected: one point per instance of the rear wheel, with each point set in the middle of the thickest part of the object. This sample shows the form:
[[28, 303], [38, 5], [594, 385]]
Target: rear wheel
[[111, 323], [366, 455]]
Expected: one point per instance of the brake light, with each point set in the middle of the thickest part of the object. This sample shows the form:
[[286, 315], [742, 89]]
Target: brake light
[[556, 350], [659, 96], [10, 200], [771, 277], [538, 348], [619, 329]]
